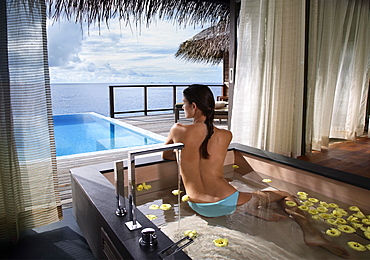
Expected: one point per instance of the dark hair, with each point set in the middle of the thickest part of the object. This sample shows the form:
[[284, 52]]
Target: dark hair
[[203, 97]]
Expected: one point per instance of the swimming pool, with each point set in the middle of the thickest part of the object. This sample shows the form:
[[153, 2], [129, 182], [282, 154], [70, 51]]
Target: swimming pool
[[91, 132]]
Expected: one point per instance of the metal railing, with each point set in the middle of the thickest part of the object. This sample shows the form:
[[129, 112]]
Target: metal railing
[[145, 110]]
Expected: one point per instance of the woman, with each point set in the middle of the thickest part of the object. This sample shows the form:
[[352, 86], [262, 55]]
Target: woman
[[202, 161]]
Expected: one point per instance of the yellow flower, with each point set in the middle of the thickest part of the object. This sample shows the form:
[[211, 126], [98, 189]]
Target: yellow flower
[[191, 233], [147, 186], [300, 193], [185, 198], [313, 212], [356, 225], [221, 242], [368, 247], [359, 214], [266, 180], [307, 203], [139, 187], [291, 203], [325, 215], [333, 232], [324, 204], [365, 229], [165, 206], [367, 234], [151, 217], [303, 207], [235, 166], [356, 246], [322, 209], [333, 205], [342, 211], [153, 206], [352, 218], [313, 200], [176, 192], [366, 221], [336, 214], [302, 197], [354, 208], [331, 221], [341, 221], [316, 217], [346, 229]]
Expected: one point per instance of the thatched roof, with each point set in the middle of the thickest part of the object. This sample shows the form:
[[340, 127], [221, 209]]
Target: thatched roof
[[208, 46], [183, 12]]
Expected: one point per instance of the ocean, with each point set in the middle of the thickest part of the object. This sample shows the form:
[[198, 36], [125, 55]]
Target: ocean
[[74, 98]]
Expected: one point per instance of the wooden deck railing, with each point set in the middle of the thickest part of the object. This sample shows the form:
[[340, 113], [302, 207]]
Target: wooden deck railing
[[145, 109]]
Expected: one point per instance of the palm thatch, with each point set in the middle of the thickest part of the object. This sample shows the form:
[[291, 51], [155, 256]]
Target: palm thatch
[[208, 46], [183, 12]]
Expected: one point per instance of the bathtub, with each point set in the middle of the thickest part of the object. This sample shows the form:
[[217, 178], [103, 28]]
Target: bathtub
[[94, 196]]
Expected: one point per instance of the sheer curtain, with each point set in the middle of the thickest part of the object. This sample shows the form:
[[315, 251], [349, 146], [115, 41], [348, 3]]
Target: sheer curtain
[[339, 48], [28, 181], [268, 93]]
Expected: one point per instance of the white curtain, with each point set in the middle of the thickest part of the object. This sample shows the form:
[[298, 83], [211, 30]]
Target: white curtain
[[28, 181], [268, 92], [339, 54]]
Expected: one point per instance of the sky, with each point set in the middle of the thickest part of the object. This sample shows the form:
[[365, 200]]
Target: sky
[[121, 54]]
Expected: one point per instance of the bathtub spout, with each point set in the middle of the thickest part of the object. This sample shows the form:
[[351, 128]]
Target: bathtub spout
[[133, 224]]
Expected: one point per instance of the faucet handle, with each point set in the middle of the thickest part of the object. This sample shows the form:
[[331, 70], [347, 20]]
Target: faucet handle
[[148, 237]]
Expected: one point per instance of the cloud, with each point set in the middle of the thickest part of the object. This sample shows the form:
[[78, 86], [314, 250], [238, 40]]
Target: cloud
[[120, 55]]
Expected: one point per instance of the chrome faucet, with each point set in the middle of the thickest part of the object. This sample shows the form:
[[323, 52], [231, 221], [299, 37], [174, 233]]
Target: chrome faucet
[[133, 224]]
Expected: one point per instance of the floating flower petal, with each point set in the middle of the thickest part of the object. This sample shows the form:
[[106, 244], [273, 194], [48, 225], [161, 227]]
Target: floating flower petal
[[346, 229], [291, 203], [299, 193], [324, 204], [165, 206], [331, 221], [336, 214], [315, 217], [139, 187], [366, 221], [185, 198], [303, 207], [356, 246], [341, 221], [303, 197], [153, 206], [221, 242], [266, 180], [356, 225], [322, 209], [325, 215], [359, 214], [354, 219], [333, 232], [235, 166], [176, 192], [313, 212], [313, 200], [367, 234], [307, 203], [368, 247], [342, 211], [191, 233], [147, 186], [151, 217], [333, 205], [354, 208]]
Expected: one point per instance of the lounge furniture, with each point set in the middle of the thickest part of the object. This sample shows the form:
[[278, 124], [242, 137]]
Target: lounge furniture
[[220, 113]]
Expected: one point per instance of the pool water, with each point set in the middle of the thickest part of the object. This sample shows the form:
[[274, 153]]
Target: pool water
[[89, 132]]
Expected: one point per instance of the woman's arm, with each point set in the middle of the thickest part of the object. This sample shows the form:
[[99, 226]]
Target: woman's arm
[[169, 154]]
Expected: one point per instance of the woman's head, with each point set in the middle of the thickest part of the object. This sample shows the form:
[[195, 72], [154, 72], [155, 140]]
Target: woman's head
[[203, 97]]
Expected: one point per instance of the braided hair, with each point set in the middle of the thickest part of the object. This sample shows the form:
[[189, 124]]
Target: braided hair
[[203, 97]]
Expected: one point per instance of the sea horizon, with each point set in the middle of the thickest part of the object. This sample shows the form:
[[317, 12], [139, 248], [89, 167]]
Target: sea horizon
[[83, 97]]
